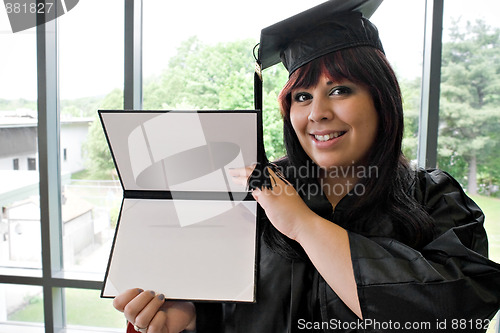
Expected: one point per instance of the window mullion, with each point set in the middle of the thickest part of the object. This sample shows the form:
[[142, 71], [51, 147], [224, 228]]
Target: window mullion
[[49, 170], [132, 92], [431, 81]]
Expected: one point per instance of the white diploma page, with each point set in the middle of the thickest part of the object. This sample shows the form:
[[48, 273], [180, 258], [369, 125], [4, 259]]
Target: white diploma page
[[185, 228]]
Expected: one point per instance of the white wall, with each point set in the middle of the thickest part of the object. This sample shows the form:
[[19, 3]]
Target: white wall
[[73, 135]]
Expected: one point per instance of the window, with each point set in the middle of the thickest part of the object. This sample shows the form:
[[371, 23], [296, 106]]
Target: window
[[20, 238], [65, 210], [469, 149], [31, 163], [204, 82], [92, 195], [405, 56], [468, 142], [20, 245]]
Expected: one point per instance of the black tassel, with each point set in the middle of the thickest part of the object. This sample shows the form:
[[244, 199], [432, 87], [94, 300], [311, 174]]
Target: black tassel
[[260, 177]]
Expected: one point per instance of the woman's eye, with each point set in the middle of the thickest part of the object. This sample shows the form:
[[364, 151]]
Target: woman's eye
[[341, 91], [301, 97]]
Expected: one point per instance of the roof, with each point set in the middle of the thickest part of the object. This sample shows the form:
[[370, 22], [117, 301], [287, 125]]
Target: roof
[[28, 118]]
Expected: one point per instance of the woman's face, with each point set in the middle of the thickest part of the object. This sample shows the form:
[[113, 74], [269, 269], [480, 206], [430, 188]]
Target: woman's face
[[336, 122]]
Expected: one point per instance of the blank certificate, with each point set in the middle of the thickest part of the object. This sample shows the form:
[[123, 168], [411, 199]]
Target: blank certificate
[[185, 228]]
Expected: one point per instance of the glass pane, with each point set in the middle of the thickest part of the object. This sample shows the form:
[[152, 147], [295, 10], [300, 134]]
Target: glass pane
[[20, 304], [207, 63], [405, 56], [212, 67], [19, 194], [469, 143], [85, 308], [91, 78]]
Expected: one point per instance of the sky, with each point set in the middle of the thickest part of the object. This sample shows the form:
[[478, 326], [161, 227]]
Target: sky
[[91, 41]]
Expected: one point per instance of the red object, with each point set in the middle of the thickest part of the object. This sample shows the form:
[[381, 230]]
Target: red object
[[130, 328]]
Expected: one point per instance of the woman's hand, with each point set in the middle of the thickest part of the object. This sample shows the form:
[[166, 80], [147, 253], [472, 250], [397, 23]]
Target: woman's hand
[[145, 309], [240, 175], [325, 243], [284, 207]]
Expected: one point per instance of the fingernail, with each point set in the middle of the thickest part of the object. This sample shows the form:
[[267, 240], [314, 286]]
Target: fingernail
[[161, 297], [139, 290], [152, 292]]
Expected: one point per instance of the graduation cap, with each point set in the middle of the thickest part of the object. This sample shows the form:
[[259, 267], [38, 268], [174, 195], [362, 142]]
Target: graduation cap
[[326, 28]]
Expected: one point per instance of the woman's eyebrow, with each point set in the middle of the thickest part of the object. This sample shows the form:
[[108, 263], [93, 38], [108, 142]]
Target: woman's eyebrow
[[338, 82]]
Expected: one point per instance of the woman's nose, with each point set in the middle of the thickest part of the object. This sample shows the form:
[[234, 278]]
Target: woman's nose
[[320, 110]]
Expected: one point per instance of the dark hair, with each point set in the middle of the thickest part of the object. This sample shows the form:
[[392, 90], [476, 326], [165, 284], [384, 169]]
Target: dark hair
[[388, 193]]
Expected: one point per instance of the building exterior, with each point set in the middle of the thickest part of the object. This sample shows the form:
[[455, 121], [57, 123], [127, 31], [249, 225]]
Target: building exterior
[[19, 145]]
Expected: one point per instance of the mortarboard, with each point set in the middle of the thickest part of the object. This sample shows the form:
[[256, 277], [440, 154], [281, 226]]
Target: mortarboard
[[295, 41], [328, 27]]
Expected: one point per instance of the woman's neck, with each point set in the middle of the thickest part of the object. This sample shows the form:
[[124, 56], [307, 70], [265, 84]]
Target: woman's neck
[[336, 184]]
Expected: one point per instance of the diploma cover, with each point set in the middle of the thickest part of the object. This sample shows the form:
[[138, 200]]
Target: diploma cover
[[185, 229]]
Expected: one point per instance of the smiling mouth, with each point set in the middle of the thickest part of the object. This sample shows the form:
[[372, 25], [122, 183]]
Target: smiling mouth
[[328, 137]]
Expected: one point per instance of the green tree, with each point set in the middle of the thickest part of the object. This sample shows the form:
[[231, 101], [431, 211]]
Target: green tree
[[199, 76], [80, 107], [469, 112], [97, 156], [13, 105], [273, 80], [410, 89], [219, 77], [205, 77]]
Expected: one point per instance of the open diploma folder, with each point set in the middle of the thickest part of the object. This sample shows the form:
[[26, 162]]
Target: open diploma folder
[[185, 228]]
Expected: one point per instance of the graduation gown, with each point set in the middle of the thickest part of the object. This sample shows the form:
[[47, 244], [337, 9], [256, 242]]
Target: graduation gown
[[448, 286]]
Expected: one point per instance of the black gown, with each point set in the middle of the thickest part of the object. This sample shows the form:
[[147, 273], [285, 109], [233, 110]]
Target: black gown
[[448, 286]]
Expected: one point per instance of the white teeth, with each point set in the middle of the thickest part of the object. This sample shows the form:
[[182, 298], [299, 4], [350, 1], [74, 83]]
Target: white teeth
[[322, 137], [328, 136]]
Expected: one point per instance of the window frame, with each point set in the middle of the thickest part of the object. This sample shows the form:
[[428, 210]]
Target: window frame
[[430, 87], [52, 277]]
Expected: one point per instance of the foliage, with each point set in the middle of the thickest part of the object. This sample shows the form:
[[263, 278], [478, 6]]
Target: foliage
[[469, 112], [199, 76], [274, 79], [218, 77], [410, 89], [204, 77], [80, 107], [96, 152], [13, 105]]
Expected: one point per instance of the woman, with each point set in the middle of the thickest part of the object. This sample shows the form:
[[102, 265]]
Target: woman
[[354, 239]]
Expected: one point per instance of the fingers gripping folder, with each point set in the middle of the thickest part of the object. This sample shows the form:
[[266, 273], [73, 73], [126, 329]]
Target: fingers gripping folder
[[185, 229]]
